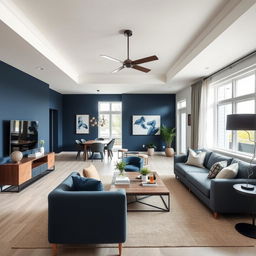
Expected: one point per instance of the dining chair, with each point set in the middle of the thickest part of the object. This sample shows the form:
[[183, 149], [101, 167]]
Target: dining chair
[[109, 148], [79, 148], [83, 141], [99, 139], [97, 148]]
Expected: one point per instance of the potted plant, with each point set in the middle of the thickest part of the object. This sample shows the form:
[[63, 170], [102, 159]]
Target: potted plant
[[41, 146], [151, 149], [121, 167], [144, 174], [168, 135]]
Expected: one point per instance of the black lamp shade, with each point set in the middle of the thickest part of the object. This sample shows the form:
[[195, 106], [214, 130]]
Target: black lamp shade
[[241, 122]]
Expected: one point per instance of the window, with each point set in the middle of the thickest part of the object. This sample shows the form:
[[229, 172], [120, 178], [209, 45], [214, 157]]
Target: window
[[112, 113], [236, 96], [181, 126], [181, 104]]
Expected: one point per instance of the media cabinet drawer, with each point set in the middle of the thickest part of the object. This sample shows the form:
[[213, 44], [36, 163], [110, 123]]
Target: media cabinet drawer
[[39, 169]]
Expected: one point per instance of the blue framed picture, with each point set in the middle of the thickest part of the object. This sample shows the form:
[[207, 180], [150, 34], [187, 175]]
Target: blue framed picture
[[146, 125], [82, 124]]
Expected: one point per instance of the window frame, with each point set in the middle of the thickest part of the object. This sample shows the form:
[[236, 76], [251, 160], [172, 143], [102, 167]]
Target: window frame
[[110, 112], [233, 100]]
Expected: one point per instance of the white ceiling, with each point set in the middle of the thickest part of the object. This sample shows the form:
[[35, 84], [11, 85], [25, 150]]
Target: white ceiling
[[66, 38]]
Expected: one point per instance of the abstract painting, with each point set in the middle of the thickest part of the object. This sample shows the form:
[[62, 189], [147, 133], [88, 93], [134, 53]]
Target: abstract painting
[[82, 124], [146, 125]]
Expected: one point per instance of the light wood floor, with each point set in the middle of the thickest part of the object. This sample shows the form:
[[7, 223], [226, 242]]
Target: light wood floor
[[16, 210]]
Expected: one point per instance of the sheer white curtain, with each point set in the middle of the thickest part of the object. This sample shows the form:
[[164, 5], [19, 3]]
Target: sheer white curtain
[[206, 116]]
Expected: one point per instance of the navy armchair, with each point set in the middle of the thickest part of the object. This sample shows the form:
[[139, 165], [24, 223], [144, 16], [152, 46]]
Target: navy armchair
[[86, 217], [133, 163]]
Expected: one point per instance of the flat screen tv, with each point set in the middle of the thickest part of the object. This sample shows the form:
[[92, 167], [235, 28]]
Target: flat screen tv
[[23, 135]]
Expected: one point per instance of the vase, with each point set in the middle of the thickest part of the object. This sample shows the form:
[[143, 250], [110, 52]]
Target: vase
[[169, 152], [144, 178], [16, 156], [41, 150], [151, 151]]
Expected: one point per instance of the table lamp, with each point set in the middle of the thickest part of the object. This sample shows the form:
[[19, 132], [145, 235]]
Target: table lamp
[[246, 122]]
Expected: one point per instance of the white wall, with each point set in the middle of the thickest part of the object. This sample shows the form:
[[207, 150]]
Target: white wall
[[181, 95]]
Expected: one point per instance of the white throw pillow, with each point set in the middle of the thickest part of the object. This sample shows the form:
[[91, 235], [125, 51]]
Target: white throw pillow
[[196, 159], [228, 172]]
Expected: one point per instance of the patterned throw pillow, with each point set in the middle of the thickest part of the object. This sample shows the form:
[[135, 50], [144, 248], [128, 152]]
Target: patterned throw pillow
[[216, 168]]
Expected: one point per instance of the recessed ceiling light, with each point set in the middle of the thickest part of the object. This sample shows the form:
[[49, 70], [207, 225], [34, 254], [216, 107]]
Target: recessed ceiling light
[[98, 90], [39, 68]]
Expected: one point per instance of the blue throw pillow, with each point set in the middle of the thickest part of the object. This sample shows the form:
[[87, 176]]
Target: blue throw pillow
[[86, 184]]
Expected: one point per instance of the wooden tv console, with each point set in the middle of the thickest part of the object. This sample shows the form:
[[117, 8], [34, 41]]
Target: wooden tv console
[[16, 174]]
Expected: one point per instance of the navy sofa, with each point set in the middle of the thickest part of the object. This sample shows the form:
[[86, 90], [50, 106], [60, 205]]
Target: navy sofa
[[133, 163], [218, 194], [86, 217]]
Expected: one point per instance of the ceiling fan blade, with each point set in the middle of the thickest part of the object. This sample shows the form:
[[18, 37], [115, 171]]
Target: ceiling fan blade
[[118, 69], [146, 70], [110, 58], [147, 59]]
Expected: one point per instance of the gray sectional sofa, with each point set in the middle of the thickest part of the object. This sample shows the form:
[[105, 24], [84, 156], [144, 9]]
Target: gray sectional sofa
[[218, 194]]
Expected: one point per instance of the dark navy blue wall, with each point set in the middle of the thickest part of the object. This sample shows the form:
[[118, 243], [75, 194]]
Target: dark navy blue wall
[[146, 104], [132, 104], [74, 104], [23, 97], [56, 103]]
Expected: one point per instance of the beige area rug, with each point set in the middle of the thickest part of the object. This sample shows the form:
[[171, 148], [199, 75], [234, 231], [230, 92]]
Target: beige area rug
[[189, 223]]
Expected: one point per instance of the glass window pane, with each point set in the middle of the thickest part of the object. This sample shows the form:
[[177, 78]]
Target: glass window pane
[[116, 125], [116, 106], [104, 106], [224, 137], [243, 142], [183, 147], [245, 85], [181, 104], [245, 107], [224, 92]]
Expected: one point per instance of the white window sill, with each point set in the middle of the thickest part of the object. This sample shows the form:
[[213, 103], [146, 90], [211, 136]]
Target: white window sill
[[241, 156]]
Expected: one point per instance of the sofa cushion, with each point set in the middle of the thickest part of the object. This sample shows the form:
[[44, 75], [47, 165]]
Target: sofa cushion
[[131, 168], [207, 155], [201, 182], [196, 158], [184, 169], [86, 184], [91, 172], [228, 172], [216, 168], [214, 158], [243, 168]]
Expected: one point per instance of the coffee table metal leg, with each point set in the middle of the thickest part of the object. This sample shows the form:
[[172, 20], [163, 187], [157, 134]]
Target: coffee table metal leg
[[158, 209]]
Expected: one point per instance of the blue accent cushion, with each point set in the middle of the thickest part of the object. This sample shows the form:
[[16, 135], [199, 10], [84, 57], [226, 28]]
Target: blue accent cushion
[[214, 158], [243, 168], [86, 184]]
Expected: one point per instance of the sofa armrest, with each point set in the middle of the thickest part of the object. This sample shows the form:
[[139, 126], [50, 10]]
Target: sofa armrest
[[87, 216], [224, 198], [182, 158]]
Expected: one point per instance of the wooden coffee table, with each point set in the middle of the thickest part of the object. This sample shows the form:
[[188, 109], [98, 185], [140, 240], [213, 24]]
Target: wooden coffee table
[[139, 192]]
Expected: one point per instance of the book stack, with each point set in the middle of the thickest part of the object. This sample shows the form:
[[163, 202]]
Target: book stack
[[122, 180]]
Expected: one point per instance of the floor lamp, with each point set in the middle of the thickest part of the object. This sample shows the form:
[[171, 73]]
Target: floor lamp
[[246, 122]]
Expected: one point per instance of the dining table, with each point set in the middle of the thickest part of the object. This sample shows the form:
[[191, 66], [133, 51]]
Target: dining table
[[88, 144]]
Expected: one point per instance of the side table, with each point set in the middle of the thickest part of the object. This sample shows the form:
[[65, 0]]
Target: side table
[[247, 229]]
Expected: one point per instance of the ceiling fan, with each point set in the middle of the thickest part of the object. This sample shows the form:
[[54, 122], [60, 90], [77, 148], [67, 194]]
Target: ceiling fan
[[128, 63]]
